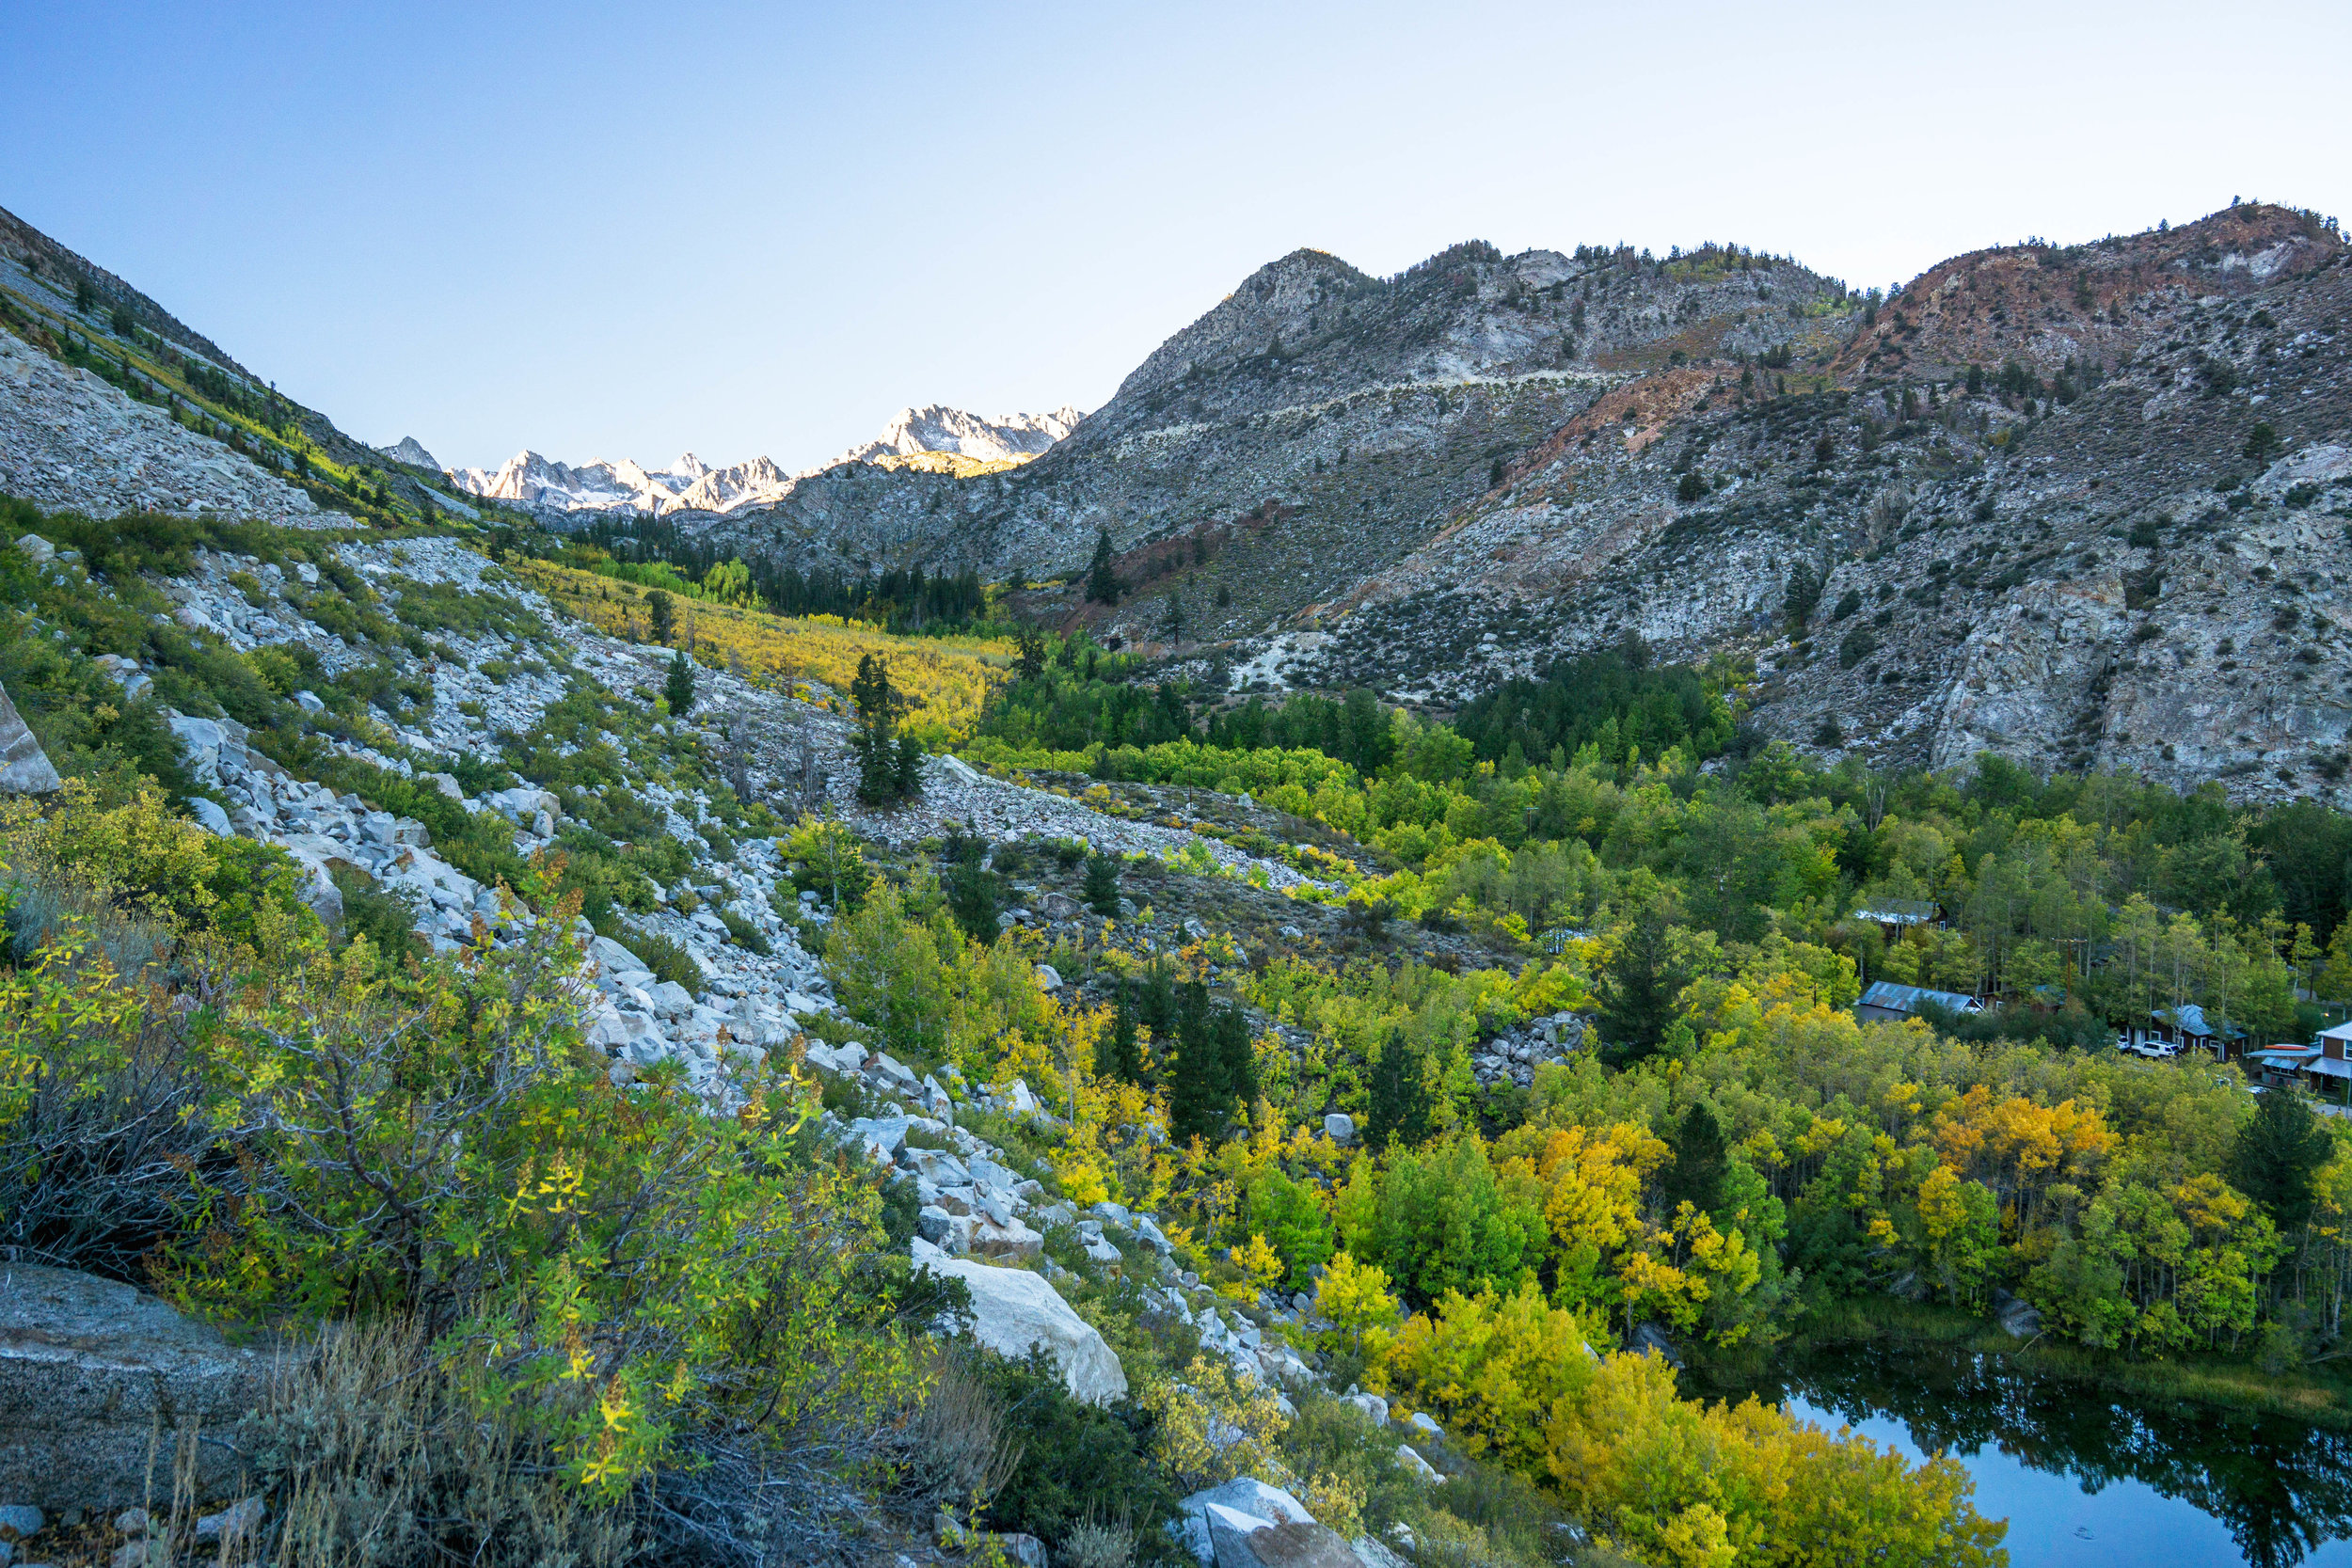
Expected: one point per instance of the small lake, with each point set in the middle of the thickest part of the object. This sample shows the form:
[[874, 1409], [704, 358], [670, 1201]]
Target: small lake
[[2086, 1478]]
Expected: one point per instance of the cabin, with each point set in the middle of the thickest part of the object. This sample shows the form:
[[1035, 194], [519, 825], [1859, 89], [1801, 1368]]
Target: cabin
[[2324, 1066], [1896, 915], [1888, 1001], [2185, 1027]]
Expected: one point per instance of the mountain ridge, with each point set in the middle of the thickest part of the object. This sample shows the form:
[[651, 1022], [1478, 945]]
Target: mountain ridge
[[691, 486]]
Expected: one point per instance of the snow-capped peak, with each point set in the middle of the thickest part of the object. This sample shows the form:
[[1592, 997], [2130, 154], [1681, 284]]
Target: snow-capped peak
[[691, 485]]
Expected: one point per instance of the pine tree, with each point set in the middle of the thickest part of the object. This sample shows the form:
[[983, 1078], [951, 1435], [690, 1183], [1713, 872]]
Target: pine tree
[[1237, 1061], [678, 690], [1102, 887], [906, 767], [1157, 1008], [1695, 1174], [1117, 1054], [889, 765], [658, 612], [2277, 1155], [1399, 1109], [975, 894], [1102, 583], [1199, 1101]]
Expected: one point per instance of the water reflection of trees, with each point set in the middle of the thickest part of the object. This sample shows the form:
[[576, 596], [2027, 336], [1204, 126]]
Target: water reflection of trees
[[2282, 1488]]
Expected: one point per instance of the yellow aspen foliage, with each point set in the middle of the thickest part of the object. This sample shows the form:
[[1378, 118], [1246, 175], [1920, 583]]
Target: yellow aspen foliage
[[2017, 1148], [1492, 1366], [1261, 1266], [1354, 1298], [1657, 1474], [1592, 1182]]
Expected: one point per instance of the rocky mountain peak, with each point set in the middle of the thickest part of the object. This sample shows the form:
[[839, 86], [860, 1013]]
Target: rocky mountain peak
[[410, 451]]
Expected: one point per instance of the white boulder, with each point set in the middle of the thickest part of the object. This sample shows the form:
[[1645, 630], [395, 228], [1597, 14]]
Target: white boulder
[[1014, 1311]]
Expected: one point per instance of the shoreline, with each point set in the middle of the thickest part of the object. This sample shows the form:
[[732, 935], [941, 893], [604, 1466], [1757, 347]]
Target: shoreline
[[2210, 1379]]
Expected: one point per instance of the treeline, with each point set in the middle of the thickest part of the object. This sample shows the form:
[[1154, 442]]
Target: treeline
[[655, 554]]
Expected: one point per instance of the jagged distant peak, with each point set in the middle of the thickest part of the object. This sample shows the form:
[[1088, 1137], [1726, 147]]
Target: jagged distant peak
[[410, 451], [935, 427]]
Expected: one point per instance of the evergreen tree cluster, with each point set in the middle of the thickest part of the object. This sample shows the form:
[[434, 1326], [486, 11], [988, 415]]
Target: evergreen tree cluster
[[1201, 1051], [1614, 698]]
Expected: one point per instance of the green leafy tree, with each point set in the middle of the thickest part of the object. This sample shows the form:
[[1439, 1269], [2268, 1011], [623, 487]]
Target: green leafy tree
[[678, 690], [1286, 1214], [660, 615], [1445, 1219]]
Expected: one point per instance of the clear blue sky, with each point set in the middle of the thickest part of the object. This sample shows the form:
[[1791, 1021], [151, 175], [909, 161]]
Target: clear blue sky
[[622, 230]]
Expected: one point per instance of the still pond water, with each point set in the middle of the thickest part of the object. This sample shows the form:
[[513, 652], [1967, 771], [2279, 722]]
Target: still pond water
[[2086, 1479]]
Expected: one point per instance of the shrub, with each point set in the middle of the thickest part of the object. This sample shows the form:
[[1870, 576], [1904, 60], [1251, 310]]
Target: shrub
[[1855, 646], [618, 1266], [386, 916], [1077, 1462], [744, 933], [668, 959], [156, 865], [101, 1104]]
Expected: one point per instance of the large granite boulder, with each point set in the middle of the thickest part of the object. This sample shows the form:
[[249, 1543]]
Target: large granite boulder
[[1249, 1524], [25, 768], [1014, 1311], [87, 1369]]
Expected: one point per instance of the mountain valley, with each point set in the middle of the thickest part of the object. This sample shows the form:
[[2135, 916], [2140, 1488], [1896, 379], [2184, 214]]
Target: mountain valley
[[1326, 965]]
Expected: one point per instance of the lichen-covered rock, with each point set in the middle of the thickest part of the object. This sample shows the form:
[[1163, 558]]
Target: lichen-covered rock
[[88, 1368]]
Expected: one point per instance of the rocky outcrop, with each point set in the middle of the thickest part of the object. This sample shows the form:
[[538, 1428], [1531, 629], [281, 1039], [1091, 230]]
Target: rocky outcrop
[[1014, 1311], [90, 1371], [2119, 552], [1309, 429]]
